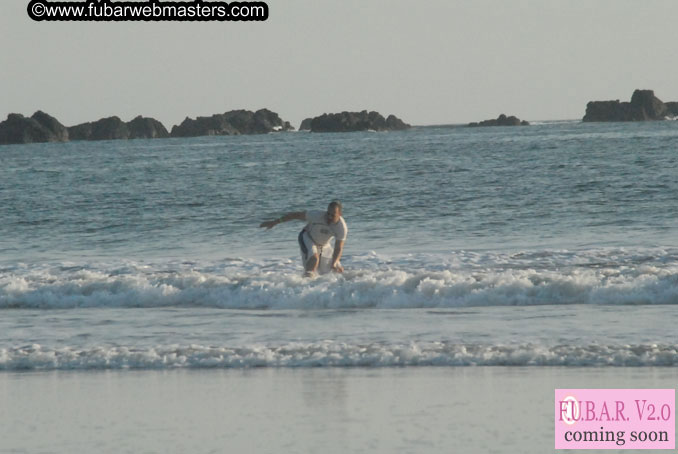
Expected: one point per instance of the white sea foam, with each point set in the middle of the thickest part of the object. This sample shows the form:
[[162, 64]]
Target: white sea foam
[[457, 279], [336, 354]]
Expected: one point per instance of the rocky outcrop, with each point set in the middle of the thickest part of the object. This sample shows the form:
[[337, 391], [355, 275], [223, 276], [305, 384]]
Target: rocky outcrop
[[262, 121], [216, 125], [59, 132], [146, 128], [671, 109], [235, 122], [111, 128], [80, 132], [306, 124], [44, 128], [644, 106], [356, 121], [41, 127], [394, 123], [501, 120]]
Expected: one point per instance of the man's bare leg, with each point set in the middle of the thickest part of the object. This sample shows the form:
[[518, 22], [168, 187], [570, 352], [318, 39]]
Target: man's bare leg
[[312, 264]]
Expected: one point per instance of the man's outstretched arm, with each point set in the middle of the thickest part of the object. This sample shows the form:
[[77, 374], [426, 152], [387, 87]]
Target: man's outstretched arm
[[298, 215]]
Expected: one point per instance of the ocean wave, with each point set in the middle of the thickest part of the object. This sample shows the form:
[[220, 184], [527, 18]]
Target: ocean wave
[[459, 279], [336, 354]]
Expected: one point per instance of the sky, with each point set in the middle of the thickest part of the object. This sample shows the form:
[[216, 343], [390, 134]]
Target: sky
[[427, 62]]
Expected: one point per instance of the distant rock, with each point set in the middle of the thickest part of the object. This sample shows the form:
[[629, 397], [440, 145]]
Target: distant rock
[[80, 132], [262, 121], [19, 129], [44, 128], [216, 125], [502, 120], [644, 106], [59, 132], [671, 109], [235, 122], [394, 123], [648, 105], [146, 128], [355, 121], [306, 124], [111, 128], [40, 127]]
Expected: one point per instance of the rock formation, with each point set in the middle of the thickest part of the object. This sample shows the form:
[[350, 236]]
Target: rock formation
[[44, 128], [216, 125], [355, 121], [38, 128], [234, 122], [644, 106], [146, 128], [394, 123], [58, 131], [501, 120], [111, 128], [306, 124]]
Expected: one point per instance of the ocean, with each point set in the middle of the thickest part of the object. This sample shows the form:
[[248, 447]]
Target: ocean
[[500, 262]]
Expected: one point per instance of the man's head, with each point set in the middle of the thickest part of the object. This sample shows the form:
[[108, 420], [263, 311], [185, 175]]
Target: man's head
[[334, 211]]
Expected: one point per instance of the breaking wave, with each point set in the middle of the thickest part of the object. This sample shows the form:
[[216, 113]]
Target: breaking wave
[[458, 279], [335, 354]]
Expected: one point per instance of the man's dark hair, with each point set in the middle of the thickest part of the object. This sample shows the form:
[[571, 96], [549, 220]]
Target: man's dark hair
[[335, 203]]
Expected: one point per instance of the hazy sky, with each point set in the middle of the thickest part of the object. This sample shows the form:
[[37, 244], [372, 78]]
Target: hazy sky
[[428, 62]]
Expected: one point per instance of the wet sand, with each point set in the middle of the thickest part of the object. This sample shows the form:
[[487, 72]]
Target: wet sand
[[330, 410]]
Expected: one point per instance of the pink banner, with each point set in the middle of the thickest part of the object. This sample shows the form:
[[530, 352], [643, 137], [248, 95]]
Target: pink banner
[[615, 418]]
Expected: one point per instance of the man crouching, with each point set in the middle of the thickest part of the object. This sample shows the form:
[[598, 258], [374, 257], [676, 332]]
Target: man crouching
[[320, 227]]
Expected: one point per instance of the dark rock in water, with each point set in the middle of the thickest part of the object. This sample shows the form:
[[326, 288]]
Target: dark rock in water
[[59, 132], [306, 124], [242, 121], [644, 106], [39, 128], [19, 129], [502, 120], [356, 121], [80, 132], [608, 111], [216, 125], [648, 105], [671, 109], [111, 128], [262, 121], [146, 128], [394, 123], [235, 122]]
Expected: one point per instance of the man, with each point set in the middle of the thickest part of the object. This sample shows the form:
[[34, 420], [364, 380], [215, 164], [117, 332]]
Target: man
[[320, 228]]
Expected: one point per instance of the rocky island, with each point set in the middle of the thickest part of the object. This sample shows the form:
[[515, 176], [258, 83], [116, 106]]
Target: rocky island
[[113, 128], [353, 121], [231, 123], [644, 106], [501, 120], [41, 127], [38, 128]]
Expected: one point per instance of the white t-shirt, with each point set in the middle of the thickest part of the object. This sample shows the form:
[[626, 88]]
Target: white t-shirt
[[321, 232]]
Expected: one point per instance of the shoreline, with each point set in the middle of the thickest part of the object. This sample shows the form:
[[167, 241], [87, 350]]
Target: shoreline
[[479, 409]]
